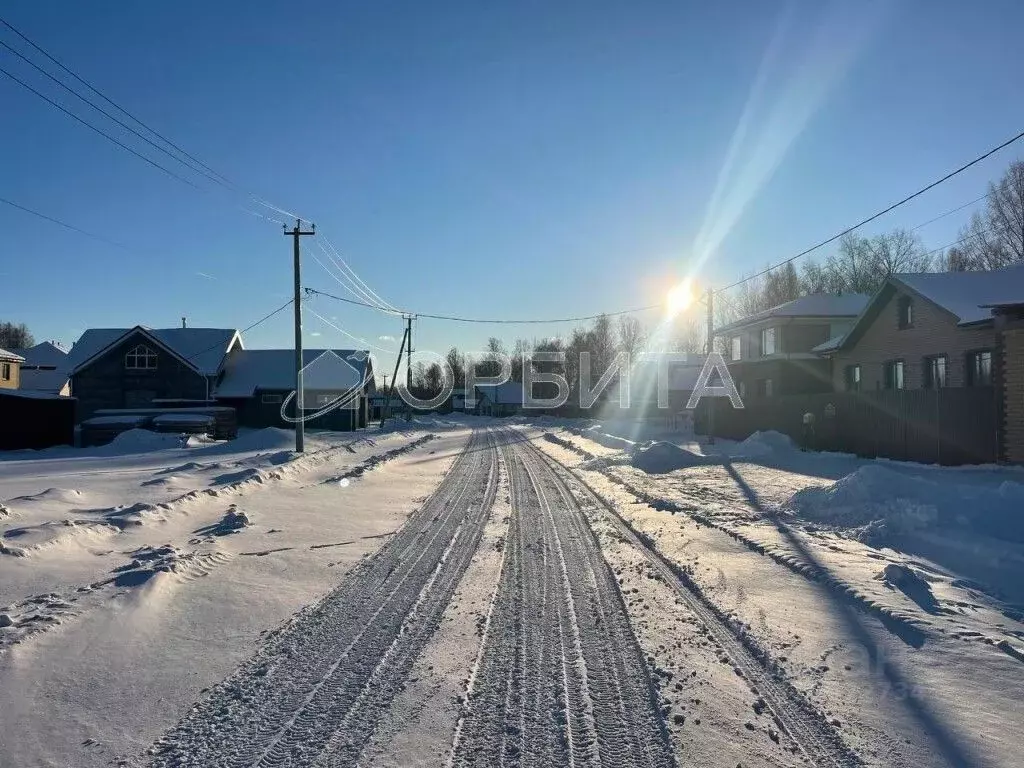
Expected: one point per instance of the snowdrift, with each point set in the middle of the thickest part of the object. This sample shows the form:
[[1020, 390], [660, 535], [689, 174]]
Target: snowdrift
[[659, 458], [764, 444], [888, 502]]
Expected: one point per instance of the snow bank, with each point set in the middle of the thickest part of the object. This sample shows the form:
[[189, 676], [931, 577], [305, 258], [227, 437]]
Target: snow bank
[[764, 444], [267, 439], [139, 440], [886, 502], [662, 457]]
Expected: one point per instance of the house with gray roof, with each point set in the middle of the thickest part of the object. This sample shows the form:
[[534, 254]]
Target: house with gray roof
[[926, 331], [45, 369], [772, 353], [133, 367]]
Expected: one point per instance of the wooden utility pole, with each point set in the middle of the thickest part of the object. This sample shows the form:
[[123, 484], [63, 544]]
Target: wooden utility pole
[[711, 348], [394, 377], [300, 431]]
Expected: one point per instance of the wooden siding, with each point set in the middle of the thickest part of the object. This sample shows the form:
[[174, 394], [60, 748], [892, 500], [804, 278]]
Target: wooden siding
[[933, 332], [107, 383]]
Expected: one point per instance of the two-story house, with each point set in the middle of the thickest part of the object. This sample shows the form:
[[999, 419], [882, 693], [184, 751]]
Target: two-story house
[[772, 353]]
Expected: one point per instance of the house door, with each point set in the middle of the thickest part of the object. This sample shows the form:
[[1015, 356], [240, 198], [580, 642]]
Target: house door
[[138, 398]]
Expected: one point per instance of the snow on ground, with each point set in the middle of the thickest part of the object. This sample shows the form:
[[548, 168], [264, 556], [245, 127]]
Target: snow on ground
[[134, 575], [888, 592]]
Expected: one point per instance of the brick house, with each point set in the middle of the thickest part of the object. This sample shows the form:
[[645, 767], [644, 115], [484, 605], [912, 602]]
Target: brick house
[[1009, 323], [924, 331], [772, 353]]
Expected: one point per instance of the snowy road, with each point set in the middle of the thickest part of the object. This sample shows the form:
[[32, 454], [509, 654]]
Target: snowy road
[[314, 693], [561, 680]]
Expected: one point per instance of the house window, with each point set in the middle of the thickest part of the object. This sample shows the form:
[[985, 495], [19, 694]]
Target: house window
[[736, 348], [140, 358], [764, 387], [853, 378], [894, 374], [979, 369], [5, 372], [935, 372], [767, 341], [270, 399], [906, 311]]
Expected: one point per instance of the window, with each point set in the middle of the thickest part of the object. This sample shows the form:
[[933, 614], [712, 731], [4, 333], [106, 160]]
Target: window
[[894, 374], [140, 358], [269, 399], [764, 387], [906, 311], [767, 341], [935, 372], [853, 378], [979, 369], [736, 348], [5, 372]]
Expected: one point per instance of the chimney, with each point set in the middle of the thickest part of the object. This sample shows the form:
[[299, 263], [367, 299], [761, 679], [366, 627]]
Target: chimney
[[184, 324]]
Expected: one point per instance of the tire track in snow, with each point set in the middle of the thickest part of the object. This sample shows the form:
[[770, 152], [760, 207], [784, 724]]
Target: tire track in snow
[[794, 714], [314, 693], [561, 680]]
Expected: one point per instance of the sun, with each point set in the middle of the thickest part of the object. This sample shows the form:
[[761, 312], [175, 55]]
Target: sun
[[679, 298]]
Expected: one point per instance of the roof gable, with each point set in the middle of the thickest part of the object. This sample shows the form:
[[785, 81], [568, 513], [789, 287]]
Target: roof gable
[[202, 349], [10, 356], [966, 294], [45, 354]]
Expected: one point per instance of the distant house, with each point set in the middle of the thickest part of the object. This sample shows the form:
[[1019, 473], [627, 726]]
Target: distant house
[[258, 383], [10, 369], [45, 369], [132, 367], [772, 353], [495, 400], [926, 331]]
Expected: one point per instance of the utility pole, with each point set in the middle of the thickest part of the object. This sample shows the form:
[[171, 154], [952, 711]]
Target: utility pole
[[408, 367], [300, 431], [711, 348]]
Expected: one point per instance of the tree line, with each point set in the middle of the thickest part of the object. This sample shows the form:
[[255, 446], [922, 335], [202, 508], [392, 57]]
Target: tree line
[[992, 239]]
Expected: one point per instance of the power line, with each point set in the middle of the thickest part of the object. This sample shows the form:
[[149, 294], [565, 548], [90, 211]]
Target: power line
[[881, 213], [350, 285], [950, 213], [244, 330], [457, 319], [92, 127], [64, 224], [373, 295], [111, 117], [223, 179]]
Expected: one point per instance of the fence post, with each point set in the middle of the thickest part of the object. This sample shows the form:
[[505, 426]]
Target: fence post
[[938, 425]]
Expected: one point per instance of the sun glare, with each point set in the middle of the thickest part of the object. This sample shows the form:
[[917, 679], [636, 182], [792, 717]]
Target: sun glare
[[679, 298]]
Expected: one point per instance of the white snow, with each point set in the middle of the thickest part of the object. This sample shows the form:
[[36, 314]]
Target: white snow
[[829, 305]]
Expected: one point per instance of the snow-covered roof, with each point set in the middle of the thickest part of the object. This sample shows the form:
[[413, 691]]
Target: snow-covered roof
[[10, 356], [965, 294], [830, 345], [509, 393], [43, 380], [247, 370], [45, 353], [202, 348], [813, 305]]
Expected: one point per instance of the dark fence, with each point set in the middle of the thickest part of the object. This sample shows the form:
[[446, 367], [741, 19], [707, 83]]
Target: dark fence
[[944, 426], [28, 421]]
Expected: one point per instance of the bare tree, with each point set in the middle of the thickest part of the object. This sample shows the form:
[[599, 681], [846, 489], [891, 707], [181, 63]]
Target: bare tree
[[490, 365], [457, 365], [433, 380], [520, 351], [15, 336], [632, 336], [995, 239]]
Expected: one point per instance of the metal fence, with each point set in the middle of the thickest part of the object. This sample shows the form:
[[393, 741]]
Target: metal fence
[[943, 426]]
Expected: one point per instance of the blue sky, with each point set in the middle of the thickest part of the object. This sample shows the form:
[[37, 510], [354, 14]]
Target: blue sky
[[524, 159]]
